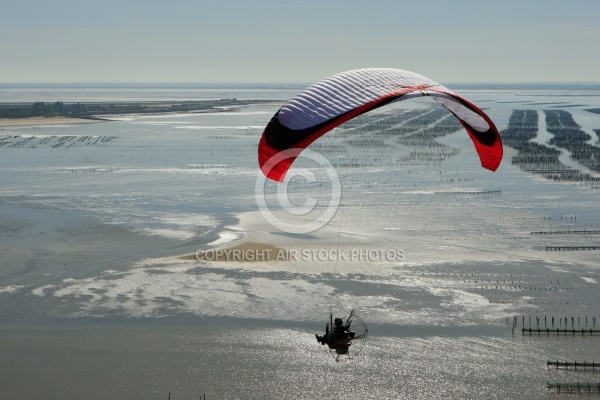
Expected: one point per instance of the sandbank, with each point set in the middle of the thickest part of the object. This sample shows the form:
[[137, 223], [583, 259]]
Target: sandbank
[[242, 252]]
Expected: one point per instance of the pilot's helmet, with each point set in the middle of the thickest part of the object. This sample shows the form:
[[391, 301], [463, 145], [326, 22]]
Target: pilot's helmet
[[338, 321]]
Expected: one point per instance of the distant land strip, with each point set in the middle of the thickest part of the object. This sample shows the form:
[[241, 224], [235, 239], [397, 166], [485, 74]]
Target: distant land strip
[[92, 110]]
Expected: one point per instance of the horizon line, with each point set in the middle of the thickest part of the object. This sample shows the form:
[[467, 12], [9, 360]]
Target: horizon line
[[284, 85]]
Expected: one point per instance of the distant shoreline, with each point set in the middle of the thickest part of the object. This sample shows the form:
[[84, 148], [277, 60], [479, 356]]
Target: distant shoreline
[[37, 121], [40, 113]]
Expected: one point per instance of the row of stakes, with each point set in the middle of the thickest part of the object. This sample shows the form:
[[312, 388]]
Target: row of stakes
[[551, 322], [560, 322]]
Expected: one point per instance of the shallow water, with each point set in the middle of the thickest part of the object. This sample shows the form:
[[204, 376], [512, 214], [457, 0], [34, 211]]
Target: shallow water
[[96, 300], [236, 361]]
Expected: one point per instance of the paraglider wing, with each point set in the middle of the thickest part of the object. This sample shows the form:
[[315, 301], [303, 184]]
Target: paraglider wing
[[331, 102]]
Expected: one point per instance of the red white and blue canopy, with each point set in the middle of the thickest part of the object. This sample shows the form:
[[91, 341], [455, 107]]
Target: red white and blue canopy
[[328, 103]]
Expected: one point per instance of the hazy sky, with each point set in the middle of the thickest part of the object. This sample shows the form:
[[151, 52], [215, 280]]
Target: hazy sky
[[297, 41]]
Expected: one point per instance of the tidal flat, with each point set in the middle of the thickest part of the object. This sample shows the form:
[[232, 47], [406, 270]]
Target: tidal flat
[[102, 292]]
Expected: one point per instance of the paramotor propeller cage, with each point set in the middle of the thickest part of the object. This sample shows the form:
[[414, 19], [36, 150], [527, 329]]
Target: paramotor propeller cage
[[358, 331]]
